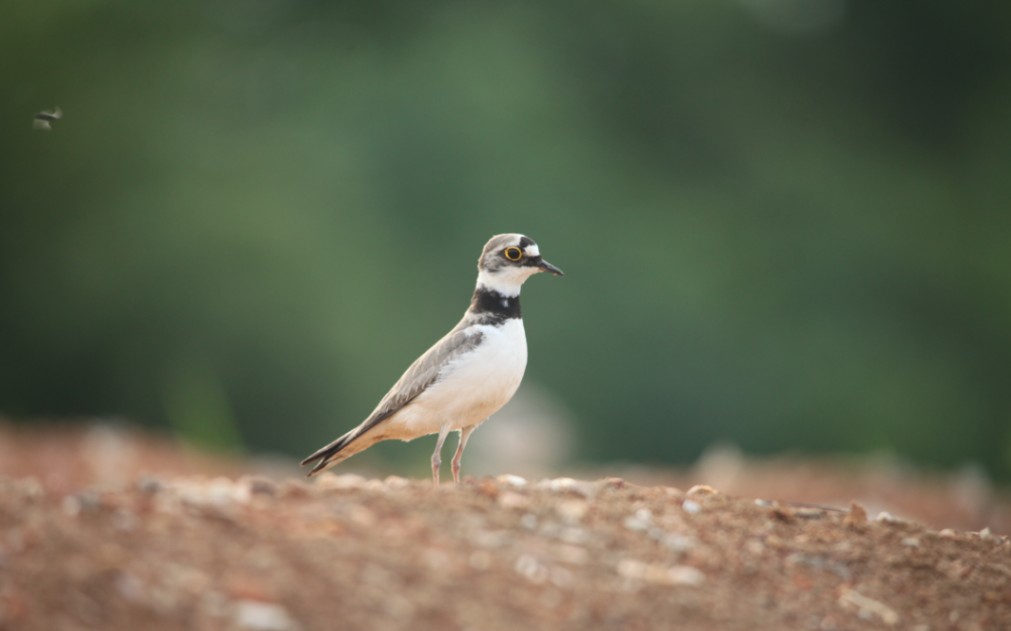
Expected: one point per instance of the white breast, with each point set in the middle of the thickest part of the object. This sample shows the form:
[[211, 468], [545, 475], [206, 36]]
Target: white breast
[[472, 387]]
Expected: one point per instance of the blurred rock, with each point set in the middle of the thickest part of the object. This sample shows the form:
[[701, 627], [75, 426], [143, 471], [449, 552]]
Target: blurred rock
[[262, 616]]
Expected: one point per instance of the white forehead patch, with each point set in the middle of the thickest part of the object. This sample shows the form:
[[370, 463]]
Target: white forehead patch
[[532, 250]]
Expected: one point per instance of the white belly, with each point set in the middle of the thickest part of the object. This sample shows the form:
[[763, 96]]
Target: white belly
[[472, 387]]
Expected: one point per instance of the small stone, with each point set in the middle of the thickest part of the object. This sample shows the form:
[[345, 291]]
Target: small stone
[[691, 507], [783, 514], [702, 489], [130, 588], [396, 482], [888, 518], [514, 481], [911, 542], [29, 488], [82, 502], [613, 483], [856, 516], [572, 510], [262, 616], [329, 481], [294, 489], [261, 486], [511, 499], [868, 608], [654, 573], [631, 568], [677, 542], [567, 485], [685, 575], [149, 484], [809, 512], [488, 487], [530, 568], [576, 555], [641, 520], [574, 536]]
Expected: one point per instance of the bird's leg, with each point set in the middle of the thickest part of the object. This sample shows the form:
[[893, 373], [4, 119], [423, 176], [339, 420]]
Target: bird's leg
[[458, 456], [437, 454]]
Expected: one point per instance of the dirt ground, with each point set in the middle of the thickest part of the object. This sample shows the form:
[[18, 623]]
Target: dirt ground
[[101, 529]]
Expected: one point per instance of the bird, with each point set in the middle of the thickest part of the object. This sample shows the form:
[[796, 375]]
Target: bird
[[466, 376], [44, 119]]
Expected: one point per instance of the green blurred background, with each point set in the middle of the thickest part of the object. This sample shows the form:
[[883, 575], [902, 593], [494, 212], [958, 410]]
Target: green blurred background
[[784, 223]]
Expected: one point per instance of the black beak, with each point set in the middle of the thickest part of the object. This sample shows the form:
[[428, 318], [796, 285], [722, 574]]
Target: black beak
[[548, 267]]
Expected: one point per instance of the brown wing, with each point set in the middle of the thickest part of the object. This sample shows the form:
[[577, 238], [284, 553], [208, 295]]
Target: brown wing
[[421, 374], [418, 377]]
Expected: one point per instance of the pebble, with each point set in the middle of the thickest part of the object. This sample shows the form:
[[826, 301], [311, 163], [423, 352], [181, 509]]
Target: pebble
[[530, 568], [702, 489], [613, 483], [573, 554], [397, 482], [262, 616], [655, 573], [260, 486], [868, 608], [567, 485], [511, 499], [819, 562], [888, 518], [641, 520], [514, 481], [294, 488], [149, 484], [330, 481], [571, 511], [218, 492], [81, 502], [857, 515], [29, 488], [574, 535], [677, 542], [809, 512], [691, 507]]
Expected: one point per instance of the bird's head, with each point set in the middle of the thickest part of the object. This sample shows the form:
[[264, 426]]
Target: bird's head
[[508, 260]]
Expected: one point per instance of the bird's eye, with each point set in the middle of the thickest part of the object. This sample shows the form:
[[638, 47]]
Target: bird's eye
[[513, 253]]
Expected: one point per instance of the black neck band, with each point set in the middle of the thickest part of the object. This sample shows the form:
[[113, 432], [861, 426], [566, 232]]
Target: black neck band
[[487, 302]]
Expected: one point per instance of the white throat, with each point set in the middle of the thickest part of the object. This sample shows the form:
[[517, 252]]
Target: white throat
[[506, 281]]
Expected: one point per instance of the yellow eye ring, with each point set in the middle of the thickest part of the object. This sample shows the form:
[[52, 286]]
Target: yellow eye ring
[[512, 253]]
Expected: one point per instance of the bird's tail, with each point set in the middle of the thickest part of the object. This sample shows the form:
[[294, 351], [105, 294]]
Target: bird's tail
[[336, 452]]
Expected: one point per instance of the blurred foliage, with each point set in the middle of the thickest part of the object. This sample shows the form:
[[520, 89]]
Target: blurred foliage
[[784, 222]]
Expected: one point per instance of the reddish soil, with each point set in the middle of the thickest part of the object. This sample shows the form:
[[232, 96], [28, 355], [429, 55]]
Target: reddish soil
[[117, 531]]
